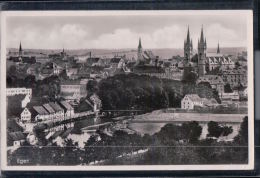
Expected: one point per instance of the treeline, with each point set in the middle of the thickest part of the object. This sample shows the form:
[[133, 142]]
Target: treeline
[[173, 144], [146, 92], [49, 86]]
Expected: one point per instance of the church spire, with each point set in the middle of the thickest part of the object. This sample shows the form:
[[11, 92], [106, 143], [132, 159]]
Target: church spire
[[140, 43], [139, 51], [201, 35], [218, 50], [20, 49], [188, 35]]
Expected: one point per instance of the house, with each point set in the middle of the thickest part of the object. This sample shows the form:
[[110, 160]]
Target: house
[[235, 77], [15, 139], [33, 69], [50, 111], [59, 112], [25, 101], [26, 116], [230, 96], [190, 101], [71, 72], [68, 109], [57, 68], [215, 81], [39, 114], [73, 89], [17, 91], [115, 61]]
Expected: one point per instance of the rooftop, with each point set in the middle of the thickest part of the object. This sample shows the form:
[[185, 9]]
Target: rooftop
[[40, 110], [55, 106]]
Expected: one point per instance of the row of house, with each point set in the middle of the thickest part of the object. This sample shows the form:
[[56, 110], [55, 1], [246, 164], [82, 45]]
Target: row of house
[[191, 100], [52, 111]]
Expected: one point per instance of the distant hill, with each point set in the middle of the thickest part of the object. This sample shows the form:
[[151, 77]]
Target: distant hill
[[164, 53]]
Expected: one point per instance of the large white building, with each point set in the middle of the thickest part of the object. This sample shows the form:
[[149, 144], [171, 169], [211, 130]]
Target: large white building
[[191, 100], [18, 91], [73, 89]]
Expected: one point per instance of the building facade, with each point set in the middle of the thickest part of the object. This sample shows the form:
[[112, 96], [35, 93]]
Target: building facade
[[18, 91]]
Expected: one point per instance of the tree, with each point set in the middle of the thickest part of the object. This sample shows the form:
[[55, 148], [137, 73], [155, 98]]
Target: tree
[[215, 130], [242, 137], [92, 86], [191, 131], [227, 88]]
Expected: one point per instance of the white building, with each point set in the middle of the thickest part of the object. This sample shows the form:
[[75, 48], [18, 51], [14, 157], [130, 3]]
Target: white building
[[26, 115], [39, 114], [191, 100], [25, 101], [68, 109], [17, 91], [50, 111], [73, 89], [59, 112], [230, 96]]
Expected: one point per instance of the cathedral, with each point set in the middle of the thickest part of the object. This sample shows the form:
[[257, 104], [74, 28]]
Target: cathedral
[[203, 62]]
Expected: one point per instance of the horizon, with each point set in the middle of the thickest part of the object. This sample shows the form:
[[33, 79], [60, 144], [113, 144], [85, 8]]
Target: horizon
[[122, 31]]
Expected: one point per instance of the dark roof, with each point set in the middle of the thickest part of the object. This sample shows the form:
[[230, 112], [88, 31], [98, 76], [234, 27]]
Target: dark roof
[[115, 59], [148, 69], [12, 126], [40, 110], [56, 106], [15, 136], [66, 105], [92, 60], [14, 105], [49, 108]]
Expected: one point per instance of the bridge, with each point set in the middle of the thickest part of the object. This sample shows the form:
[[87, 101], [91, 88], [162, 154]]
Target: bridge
[[116, 113]]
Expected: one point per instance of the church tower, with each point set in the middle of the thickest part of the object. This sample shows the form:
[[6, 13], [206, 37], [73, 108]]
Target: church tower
[[139, 51], [202, 50], [218, 50], [188, 47], [20, 53]]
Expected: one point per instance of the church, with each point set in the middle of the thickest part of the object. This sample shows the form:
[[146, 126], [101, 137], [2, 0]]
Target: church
[[203, 62]]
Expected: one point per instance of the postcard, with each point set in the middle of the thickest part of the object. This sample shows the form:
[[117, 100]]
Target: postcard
[[127, 90]]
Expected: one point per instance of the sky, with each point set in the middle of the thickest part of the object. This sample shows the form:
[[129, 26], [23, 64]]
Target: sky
[[115, 31]]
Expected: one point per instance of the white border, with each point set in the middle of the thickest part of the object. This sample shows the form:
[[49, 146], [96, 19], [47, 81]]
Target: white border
[[249, 166]]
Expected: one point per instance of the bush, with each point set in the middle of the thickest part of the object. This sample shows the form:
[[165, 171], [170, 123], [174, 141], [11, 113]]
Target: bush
[[214, 130]]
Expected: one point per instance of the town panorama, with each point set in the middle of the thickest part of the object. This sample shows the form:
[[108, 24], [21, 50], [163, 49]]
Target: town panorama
[[128, 107]]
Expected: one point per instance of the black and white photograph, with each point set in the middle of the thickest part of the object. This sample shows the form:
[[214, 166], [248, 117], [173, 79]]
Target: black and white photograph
[[127, 90]]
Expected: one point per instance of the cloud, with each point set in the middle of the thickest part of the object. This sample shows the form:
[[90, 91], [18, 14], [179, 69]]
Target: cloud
[[226, 36], [68, 35], [79, 36], [125, 38]]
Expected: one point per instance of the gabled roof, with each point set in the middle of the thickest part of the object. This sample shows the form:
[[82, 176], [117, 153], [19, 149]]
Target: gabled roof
[[194, 97], [66, 105], [40, 110], [16, 136], [56, 107], [115, 60], [49, 108]]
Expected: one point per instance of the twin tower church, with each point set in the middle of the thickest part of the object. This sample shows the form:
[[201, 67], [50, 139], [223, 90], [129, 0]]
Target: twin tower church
[[203, 62]]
